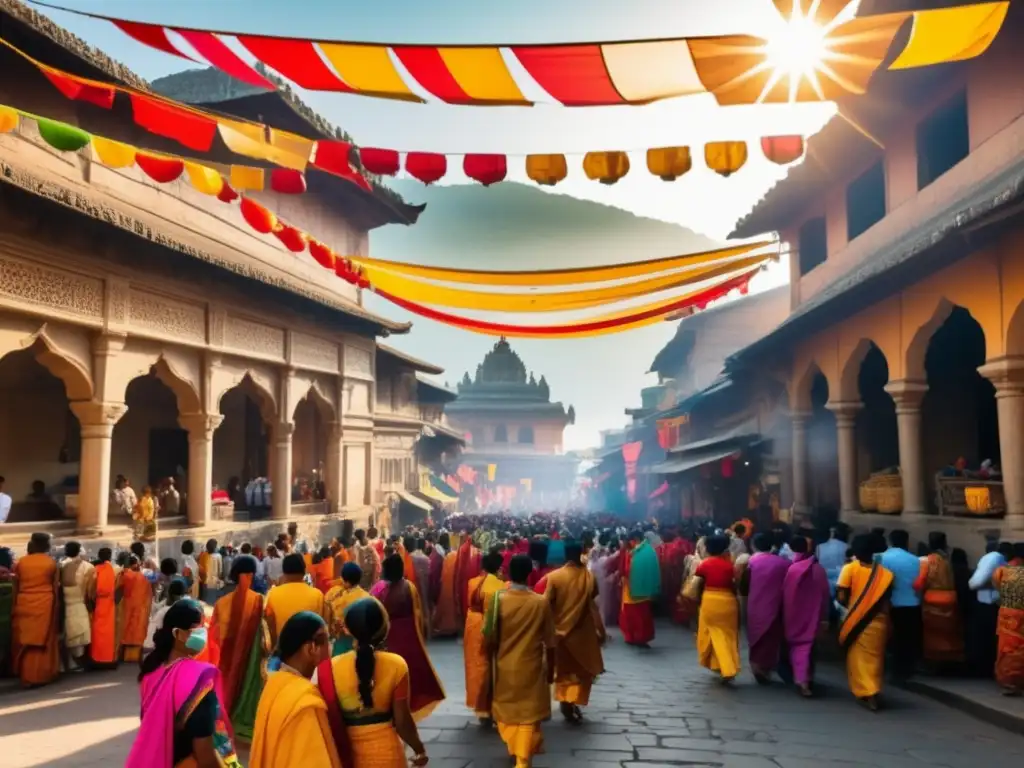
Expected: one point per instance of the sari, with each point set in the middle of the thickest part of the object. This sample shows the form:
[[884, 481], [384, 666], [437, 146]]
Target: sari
[[103, 594], [477, 659], [240, 633], [285, 600], [338, 599], [34, 649], [1009, 669], [136, 600], [291, 726], [718, 623], [75, 576], [405, 637], [169, 696], [806, 599], [6, 611], [765, 632], [436, 568], [672, 563], [571, 592], [366, 735], [865, 630], [467, 566], [641, 581], [421, 563], [940, 612], [446, 612]]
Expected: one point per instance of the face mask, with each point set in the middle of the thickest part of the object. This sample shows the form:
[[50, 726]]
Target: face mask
[[197, 640]]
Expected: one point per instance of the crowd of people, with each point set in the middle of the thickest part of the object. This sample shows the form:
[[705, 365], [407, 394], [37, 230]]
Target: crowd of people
[[320, 653]]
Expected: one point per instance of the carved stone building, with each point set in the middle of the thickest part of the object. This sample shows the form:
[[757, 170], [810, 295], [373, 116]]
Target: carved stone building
[[149, 332], [514, 430]]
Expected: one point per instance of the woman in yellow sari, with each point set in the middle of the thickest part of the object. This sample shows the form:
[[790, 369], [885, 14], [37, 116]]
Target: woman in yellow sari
[[718, 623], [367, 693], [482, 590], [863, 589], [338, 599], [292, 729], [34, 650]]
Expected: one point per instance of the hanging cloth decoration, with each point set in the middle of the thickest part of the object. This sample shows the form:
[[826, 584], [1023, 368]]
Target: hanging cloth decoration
[[669, 163], [166, 119], [322, 255], [725, 157], [783, 150], [245, 177], [61, 136], [287, 182], [292, 239], [204, 179], [113, 154], [162, 170], [258, 217], [606, 167], [546, 170], [8, 119], [427, 167], [78, 89]]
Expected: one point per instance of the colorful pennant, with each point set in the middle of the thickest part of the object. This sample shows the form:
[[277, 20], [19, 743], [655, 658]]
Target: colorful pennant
[[735, 69]]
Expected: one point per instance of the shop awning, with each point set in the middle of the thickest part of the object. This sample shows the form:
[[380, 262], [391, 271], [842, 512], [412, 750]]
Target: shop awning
[[693, 460], [415, 501], [433, 493]]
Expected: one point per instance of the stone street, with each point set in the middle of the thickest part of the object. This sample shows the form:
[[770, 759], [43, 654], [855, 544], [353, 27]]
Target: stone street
[[652, 709]]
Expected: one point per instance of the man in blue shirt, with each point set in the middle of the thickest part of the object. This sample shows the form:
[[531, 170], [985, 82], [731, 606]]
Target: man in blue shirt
[[832, 555], [905, 612], [982, 629]]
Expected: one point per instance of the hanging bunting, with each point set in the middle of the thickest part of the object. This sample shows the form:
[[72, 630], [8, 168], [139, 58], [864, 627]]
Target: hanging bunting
[[247, 178], [487, 169], [227, 194], [204, 179], [258, 217], [735, 69], [725, 157], [79, 90], [8, 119], [292, 239], [606, 167], [546, 170], [113, 154], [162, 170], [172, 122], [322, 255], [61, 136], [669, 163], [427, 167], [287, 182], [213, 49]]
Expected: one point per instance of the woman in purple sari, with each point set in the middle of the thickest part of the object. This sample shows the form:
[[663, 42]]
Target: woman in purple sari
[[763, 579], [183, 724], [405, 637], [806, 598]]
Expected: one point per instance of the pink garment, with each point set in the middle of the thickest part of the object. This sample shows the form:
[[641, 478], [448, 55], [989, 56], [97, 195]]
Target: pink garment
[[805, 604], [610, 592], [764, 610]]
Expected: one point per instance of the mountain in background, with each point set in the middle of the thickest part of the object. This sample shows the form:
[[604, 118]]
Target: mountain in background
[[518, 227]]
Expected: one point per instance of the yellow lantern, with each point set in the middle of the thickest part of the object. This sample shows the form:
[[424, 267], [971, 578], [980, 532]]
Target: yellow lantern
[[546, 169], [669, 163], [606, 167], [725, 157]]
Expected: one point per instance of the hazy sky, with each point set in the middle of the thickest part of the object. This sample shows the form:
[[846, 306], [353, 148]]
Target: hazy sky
[[700, 200]]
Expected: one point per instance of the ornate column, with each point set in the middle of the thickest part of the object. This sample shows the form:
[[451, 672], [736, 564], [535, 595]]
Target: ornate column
[[1007, 376], [334, 471], [97, 422], [799, 421], [846, 451], [281, 469], [201, 427], [907, 395]]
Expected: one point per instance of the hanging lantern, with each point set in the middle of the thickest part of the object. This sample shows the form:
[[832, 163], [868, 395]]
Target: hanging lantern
[[547, 170], [427, 167], [204, 179], [227, 194], [163, 170], [669, 163], [258, 217], [293, 239], [783, 150], [725, 157], [322, 255], [606, 167], [486, 169], [287, 181], [383, 162]]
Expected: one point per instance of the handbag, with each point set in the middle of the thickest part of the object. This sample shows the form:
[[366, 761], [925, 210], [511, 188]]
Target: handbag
[[693, 588]]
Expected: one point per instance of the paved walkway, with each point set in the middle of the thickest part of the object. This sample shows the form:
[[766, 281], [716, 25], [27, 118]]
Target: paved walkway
[[652, 709]]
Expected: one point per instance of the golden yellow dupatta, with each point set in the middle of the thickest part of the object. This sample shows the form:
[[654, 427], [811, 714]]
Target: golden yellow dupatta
[[867, 598]]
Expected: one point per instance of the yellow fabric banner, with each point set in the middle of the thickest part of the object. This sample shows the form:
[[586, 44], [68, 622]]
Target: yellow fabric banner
[[573, 276], [942, 35]]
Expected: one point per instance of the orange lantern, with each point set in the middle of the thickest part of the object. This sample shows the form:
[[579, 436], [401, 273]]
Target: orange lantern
[[669, 163], [546, 169], [606, 167], [783, 150], [725, 157]]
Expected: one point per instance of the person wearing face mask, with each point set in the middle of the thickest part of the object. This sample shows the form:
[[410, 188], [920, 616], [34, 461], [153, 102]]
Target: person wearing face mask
[[292, 728], [183, 722]]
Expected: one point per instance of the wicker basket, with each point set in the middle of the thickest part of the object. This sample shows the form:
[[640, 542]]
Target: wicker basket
[[868, 496], [979, 500], [889, 494]]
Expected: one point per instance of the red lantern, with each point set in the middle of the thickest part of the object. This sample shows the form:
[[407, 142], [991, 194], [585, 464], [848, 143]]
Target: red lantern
[[783, 150], [258, 217], [383, 162], [292, 238], [427, 167], [287, 181], [227, 194], [160, 169], [486, 169], [323, 255]]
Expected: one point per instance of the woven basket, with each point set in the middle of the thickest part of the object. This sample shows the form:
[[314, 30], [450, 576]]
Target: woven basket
[[979, 500], [868, 496], [889, 495]]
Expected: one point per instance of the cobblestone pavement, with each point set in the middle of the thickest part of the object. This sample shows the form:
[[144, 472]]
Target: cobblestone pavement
[[652, 709]]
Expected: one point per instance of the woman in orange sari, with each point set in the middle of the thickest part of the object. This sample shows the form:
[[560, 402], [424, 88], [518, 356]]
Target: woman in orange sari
[[467, 566], [1009, 580], [482, 590], [136, 602], [36, 658], [102, 596], [863, 589], [940, 612], [446, 611], [244, 642]]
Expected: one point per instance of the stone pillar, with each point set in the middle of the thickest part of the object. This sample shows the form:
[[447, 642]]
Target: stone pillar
[[799, 421], [334, 471], [907, 395], [846, 451], [97, 422], [1007, 375], [281, 469], [200, 428]]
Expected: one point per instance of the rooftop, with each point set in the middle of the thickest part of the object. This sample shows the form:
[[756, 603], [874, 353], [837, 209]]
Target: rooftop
[[415, 363]]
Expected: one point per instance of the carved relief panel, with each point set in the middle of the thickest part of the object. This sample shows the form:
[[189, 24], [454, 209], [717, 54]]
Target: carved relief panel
[[248, 336]]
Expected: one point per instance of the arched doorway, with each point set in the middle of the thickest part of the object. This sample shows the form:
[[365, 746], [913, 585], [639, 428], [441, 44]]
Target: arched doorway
[[877, 435], [309, 452], [958, 413], [41, 445], [822, 449], [241, 443]]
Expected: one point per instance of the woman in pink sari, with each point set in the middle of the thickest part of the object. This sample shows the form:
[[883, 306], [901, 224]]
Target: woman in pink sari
[[609, 592], [183, 724], [405, 636], [806, 598]]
